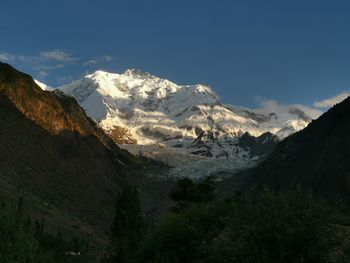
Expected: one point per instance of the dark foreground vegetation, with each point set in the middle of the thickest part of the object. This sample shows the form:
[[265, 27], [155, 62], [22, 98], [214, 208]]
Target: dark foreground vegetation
[[254, 227], [22, 240]]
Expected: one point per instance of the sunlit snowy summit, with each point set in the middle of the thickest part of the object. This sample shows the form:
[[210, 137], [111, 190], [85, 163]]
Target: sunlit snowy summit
[[174, 121]]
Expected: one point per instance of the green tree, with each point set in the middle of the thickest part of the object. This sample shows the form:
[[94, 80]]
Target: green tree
[[183, 235], [271, 227], [127, 228], [188, 191], [17, 242]]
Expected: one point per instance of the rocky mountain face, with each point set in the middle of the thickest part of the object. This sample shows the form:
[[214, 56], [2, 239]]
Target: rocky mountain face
[[68, 171], [53, 111], [206, 144], [188, 121], [316, 157]]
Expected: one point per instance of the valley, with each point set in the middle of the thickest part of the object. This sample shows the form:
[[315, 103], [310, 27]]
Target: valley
[[174, 131], [69, 153]]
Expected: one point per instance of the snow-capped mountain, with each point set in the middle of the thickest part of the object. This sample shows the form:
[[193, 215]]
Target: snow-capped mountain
[[155, 110], [137, 107]]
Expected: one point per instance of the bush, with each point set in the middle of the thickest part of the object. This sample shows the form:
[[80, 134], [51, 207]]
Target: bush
[[127, 228], [276, 227], [187, 192], [256, 227], [17, 242]]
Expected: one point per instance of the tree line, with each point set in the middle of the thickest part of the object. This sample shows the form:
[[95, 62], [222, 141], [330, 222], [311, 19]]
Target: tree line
[[262, 226], [254, 227], [24, 241]]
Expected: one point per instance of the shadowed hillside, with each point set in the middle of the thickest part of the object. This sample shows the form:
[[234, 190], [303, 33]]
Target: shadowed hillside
[[316, 157], [68, 171]]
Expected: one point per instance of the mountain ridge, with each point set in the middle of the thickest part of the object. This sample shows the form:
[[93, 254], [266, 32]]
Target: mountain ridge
[[136, 107], [315, 158], [125, 99]]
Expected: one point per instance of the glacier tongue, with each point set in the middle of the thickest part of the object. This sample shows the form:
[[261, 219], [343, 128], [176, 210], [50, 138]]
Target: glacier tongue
[[182, 120]]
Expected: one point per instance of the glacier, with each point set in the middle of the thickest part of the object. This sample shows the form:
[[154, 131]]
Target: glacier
[[185, 126]]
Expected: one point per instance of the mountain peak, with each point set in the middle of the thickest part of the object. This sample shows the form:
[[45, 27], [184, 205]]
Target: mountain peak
[[98, 74], [137, 107], [156, 109], [137, 73]]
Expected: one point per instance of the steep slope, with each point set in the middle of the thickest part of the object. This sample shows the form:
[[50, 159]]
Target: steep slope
[[72, 171], [184, 122], [316, 157], [51, 153], [42, 85], [52, 111]]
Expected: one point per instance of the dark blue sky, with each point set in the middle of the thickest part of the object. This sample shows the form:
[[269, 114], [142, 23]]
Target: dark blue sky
[[290, 51]]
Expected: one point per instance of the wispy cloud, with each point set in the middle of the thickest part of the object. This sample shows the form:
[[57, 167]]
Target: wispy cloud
[[45, 57], [66, 79], [90, 62], [49, 67], [327, 103], [42, 74], [6, 57], [314, 111], [52, 59], [57, 55], [108, 58], [42, 63], [45, 64], [268, 106], [98, 60]]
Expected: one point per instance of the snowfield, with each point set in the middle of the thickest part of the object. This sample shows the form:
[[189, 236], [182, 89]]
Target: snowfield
[[185, 126]]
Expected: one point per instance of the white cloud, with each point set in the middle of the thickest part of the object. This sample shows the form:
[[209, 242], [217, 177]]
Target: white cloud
[[6, 57], [65, 80], [327, 103], [48, 67], [57, 55], [42, 74], [98, 60], [90, 62], [108, 58], [314, 111], [269, 106], [50, 60], [42, 64], [43, 58]]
